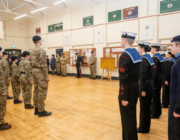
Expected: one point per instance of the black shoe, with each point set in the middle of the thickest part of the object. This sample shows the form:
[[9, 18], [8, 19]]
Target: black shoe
[[140, 131], [154, 117], [44, 113], [36, 111], [29, 106], [163, 106], [4, 127], [17, 101], [9, 97]]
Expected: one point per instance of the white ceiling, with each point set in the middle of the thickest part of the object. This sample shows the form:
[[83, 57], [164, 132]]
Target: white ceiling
[[26, 9]]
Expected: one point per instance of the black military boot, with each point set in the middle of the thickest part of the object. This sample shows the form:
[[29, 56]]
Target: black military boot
[[36, 111], [9, 97], [44, 113], [4, 126], [141, 131], [29, 106], [17, 101]]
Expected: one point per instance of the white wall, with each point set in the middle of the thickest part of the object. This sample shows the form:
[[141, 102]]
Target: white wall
[[165, 27]]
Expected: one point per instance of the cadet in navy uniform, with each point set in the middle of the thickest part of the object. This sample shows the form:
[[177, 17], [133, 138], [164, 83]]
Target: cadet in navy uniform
[[129, 67], [158, 80], [174, 109], [78, 65], [166, 85], [146, 87]]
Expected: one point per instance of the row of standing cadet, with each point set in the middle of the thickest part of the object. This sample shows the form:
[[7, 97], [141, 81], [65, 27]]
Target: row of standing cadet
[[151, 79], [26, 74]]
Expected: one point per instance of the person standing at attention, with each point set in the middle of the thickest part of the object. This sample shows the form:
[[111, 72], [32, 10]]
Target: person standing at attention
[[58, 65], [78, 65], [47, 62], [53, 64], [40, 77], [129, 69], [63, 65], [92, 62]]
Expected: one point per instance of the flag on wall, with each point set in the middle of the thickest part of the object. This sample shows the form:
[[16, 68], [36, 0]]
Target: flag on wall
[[88, 21], [114, 16], [169, 6], [58, 27], [51, 28], [131, 12]]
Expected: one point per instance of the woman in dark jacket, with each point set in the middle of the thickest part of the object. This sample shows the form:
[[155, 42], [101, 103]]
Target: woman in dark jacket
[[53, 64], [47, 62], [146, 87]]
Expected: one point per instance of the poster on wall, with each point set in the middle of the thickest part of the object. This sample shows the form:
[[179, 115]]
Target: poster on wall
[[99, 37], [51, 28], [114, 16], [66, 40], [169, 6], [88, 21], [131, 12], [43, 43], [147, 32], [58, 27], [38, 30]]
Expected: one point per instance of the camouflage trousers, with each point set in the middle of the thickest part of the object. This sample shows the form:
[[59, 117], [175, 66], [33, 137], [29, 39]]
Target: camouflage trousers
[[40, 89], [93, 71], [26, 89], [15, 82], [63, 69], [6, 86], [2, 108], [58, 67]]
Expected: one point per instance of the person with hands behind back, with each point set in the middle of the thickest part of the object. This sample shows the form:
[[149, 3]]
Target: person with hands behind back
[[129, 67], [174, 109], [146, 87]]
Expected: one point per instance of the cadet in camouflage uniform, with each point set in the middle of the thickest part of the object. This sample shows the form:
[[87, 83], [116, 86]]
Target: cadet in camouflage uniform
[[25, 69], [40, 77], [63, 65], [7, 80], [3, 96], [92, 62], [15, 80], [58, 65]]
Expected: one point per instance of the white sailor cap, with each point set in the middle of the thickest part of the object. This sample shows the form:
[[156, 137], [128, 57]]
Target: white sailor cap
[[156, 45], [143, 43], [128, 35]]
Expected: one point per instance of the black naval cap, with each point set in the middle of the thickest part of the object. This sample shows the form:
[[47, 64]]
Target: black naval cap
[[176, 39], [36, 38], [128, 35], [0, 49], [156, 45], [14, 57], [26, 53], [52, 54], [92, 51], [4, 53]]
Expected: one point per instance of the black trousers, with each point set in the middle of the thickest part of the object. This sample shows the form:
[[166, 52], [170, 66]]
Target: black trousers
[[128, 120], [173, 127], [156, 105], [78, 72], [145, 112], [166, 95]]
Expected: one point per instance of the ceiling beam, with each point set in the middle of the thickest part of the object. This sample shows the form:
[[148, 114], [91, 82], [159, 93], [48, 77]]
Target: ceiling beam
[[64, 5], [36, 9], [3, 4], [18, 7]]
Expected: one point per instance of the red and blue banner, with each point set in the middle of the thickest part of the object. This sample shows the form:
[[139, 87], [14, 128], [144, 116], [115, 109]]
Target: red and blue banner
[[131, 12]]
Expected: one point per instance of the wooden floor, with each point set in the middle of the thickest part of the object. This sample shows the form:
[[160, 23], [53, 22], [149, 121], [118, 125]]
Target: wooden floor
[[82, 109]]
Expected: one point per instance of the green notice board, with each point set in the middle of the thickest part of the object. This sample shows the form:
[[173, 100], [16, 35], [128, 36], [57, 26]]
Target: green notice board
[[58, 27], [169, 6], [114, 16], [88, 21], [55, 27]]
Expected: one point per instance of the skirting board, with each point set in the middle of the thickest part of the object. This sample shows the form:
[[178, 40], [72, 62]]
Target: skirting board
[[88, 75]]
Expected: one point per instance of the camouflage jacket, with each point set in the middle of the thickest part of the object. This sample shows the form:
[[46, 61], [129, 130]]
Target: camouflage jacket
[[92, 60], [14, 70], [63, 60], [58, 59], [38, 59], [5, 68], [2, 83]]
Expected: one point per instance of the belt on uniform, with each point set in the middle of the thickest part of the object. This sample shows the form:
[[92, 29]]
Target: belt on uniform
[[37, 67], [23, 73]]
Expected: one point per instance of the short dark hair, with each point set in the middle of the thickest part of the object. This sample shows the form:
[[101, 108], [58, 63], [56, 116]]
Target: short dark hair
[[35, 42], [170, 53]]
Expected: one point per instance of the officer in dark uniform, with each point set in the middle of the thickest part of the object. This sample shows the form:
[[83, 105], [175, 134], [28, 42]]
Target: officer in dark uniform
[[146, 87], [129, 67], [78, 65], [174, 109], [158, 80]]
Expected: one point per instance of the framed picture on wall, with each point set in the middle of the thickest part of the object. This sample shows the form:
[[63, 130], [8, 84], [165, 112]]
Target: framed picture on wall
[[38, 30]]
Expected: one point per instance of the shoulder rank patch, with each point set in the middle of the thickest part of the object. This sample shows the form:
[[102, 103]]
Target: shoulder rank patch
[[154, 66], [123, 57], [122, 69]]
